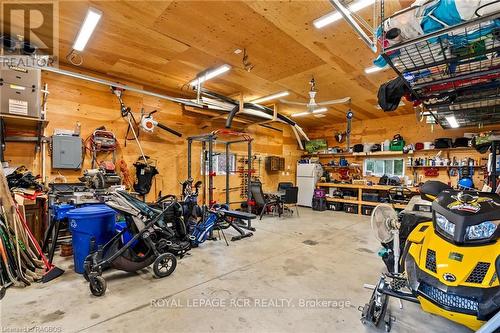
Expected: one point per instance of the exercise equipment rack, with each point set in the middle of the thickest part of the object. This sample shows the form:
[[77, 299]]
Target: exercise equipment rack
[[207, 142]]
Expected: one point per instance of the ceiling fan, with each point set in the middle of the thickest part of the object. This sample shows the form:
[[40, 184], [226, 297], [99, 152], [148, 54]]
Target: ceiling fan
[[313, 107]]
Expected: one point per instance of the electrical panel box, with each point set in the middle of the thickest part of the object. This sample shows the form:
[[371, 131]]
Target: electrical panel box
[[66, 152], [20, 92]]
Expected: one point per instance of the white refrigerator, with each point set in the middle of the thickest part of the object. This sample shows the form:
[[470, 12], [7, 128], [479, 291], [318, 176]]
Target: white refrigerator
[[307, 177]]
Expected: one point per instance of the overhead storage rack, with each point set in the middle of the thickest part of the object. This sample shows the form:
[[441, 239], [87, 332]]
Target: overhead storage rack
[[453, 71]]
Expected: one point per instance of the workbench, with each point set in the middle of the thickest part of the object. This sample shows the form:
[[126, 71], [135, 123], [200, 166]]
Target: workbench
[[360, 188]]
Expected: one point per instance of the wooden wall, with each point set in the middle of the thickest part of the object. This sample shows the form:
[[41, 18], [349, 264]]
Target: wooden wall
[[72, 100], [378, 130]]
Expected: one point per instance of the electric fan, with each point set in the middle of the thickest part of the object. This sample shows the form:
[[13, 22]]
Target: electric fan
[[385, 224]]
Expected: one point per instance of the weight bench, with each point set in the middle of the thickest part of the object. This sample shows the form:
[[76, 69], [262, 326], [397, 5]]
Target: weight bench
[[232, 217]]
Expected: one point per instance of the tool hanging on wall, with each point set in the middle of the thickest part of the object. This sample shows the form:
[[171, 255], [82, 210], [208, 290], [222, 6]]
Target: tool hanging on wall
[[126, 112], [133, 125], [348, 116], [101, 140], [340, 136], [148, 123]]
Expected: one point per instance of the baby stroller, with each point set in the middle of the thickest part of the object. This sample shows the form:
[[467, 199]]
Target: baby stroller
[[172, 225], [147, 245]]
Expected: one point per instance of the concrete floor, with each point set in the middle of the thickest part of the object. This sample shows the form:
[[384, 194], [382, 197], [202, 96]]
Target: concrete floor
[[258, 284]]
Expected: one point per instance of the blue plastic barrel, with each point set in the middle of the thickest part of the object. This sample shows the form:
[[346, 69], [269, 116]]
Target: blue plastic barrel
[[60, 211], [95, 222], [126, 236]]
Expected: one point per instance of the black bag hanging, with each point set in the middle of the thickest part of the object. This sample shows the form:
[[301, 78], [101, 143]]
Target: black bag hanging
[[390, 93], [145, 173]]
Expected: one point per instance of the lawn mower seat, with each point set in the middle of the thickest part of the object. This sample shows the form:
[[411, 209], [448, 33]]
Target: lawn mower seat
[[430, 189]]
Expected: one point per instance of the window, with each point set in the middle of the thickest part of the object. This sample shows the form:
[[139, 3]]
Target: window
[[219, 164], [379, 167]]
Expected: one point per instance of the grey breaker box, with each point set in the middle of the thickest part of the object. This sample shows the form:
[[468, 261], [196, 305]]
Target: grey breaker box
[[20, 91], [66, 152]]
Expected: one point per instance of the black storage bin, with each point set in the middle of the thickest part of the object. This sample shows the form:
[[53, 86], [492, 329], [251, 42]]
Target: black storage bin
[[351, 208], [372, 197], [319, 204], [461, 143], [336, 206], [367, 210], [349, 194], [443, 143], [358, 148]]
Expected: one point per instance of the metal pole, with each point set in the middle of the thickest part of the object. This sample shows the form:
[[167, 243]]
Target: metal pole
[[117, 85], [190, 142], [494, 166], [349, 19], [227, 172], [136, 140], [210, 171], [204, 168], [1, 140], [249, 191]]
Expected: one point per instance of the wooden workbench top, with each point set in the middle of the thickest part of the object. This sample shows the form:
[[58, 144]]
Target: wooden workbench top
[[363, 187]]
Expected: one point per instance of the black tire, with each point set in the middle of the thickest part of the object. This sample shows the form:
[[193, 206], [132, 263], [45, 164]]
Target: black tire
[[164, 265], [97, 286]]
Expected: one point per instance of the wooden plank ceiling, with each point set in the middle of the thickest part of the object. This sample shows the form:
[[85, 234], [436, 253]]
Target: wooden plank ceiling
[[164, 44]]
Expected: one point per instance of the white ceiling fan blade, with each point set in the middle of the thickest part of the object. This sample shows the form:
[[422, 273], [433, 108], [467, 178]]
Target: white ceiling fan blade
[[292, 103], [336, 101]]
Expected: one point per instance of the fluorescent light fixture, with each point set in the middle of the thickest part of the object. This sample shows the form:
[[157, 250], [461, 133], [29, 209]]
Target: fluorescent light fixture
[[271, 97], [373, 69], [320, 110], [87, 28], [211, 74], [452, 121], [335, 16]]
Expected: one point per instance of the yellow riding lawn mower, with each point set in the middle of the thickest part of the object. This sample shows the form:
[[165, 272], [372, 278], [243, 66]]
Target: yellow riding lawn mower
[[443, 252]]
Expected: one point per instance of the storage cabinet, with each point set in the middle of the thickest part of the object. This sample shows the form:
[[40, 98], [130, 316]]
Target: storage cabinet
[[35, 217], [275, 163]]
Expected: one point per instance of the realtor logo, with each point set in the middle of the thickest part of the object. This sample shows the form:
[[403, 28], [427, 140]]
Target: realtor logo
[[29, 29]]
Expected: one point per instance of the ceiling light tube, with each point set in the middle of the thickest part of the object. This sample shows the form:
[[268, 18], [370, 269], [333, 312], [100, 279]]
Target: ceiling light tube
[[300, 114], [271, 97], [320, 110], [373, 69], [452, 121], [335, 16], [89, 24], [211, 74]]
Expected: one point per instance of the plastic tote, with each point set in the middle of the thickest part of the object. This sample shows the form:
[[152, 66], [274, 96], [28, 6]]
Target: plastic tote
[[95, 222]]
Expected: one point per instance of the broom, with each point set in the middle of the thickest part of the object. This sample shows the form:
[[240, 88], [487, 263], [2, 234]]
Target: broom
[[52, 271]]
